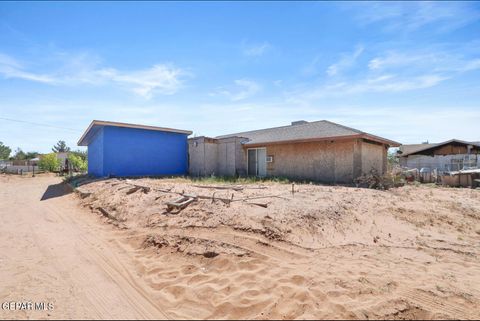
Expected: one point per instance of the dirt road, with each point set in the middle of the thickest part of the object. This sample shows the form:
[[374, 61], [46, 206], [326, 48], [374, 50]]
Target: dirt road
[[54, 252], [323, 253]]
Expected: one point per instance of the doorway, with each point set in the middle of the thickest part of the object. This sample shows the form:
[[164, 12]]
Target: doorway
[[257, 162]]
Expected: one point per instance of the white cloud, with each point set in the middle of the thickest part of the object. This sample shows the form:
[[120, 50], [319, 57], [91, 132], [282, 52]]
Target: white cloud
[[392, 71], [242, 90], [394, 59], [387, 83], [426, 60], [12, 68], [312, 68], [409, 15], [165, 79], [159, 79], [255, 50], [346, 61]]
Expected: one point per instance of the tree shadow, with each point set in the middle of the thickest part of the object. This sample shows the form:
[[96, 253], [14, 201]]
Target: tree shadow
[[56, 190]]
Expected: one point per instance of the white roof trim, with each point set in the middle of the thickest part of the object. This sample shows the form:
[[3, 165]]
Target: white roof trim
[[127, 125]]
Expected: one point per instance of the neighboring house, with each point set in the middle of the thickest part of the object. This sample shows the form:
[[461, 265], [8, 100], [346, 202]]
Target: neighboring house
[[318, 151], [63, 159], [119, 149], [451, 155]]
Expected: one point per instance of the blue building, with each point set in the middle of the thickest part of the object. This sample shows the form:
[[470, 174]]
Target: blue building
[[120, 149]]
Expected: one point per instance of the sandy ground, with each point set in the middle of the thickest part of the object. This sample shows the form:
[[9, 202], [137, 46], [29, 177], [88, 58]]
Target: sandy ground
[[53, 251], [322, 252]]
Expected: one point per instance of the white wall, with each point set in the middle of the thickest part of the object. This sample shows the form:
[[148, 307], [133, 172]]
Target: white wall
[[16, 168], [439, 162]]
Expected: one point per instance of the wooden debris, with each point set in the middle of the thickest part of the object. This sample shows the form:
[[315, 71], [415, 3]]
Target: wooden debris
[[213, 197], [265, 205], [82, 194], [107, 214], [233, 187], [132, 190], [259, 197], [180, 203]]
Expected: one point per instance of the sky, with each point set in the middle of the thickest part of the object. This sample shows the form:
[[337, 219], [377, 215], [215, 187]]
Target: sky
[[406, 71]]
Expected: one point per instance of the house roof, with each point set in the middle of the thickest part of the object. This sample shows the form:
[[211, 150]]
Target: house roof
[[96, 125], [305, 131], [412, 148], [418, 148]]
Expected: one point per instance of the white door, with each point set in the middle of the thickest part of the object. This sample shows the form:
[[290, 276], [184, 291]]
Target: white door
[[257, 162]]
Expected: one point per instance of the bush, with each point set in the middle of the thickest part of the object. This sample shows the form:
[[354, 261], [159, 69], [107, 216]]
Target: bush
[[77, 162], [49, 162]]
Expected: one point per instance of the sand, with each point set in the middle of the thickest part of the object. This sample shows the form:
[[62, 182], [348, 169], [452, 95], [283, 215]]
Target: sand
[[322, 252]]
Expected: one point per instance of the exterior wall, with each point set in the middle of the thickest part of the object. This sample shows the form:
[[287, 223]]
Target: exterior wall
[[339, 161], [374, 156], [230, 158], [122, 151], [464, 180], [19, 168], [202, 155], [328, 161], [221, 157], [140, 152], [62, 157], [95, 155], [439, 162]]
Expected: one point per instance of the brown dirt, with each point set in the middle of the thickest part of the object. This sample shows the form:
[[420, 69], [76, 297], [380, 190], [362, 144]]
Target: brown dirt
[[323, 252]]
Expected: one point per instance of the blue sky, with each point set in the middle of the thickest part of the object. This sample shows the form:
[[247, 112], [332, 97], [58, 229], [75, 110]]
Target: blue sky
[[406, 71]]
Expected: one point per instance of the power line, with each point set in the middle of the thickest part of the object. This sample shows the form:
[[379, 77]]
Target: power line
[[39, 124]]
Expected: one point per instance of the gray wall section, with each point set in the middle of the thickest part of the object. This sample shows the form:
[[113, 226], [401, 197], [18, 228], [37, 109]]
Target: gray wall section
[[220, 157], [202, 155], [439, 162], [338, 161]]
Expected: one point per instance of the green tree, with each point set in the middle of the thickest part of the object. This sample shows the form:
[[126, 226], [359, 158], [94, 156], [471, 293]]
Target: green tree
[[49, 162], [77, 162], [30, 155], [82, 154], [19, 155], [392, 158], [4, 151], [60, 147]]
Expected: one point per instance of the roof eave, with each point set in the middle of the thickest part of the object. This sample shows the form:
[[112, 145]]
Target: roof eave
[[80, 141], [390, 143], [126, 125]]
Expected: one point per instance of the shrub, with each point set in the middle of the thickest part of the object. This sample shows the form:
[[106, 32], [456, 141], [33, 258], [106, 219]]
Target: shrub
[[49, 162], [78, 163]]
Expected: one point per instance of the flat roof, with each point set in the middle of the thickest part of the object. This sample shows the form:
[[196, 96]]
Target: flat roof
[[95, 126]]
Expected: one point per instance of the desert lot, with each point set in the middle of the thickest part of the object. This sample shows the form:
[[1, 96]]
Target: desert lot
[[254, 251]]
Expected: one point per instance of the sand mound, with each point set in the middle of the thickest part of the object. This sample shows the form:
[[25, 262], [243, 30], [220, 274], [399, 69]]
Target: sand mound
[[321, 252]]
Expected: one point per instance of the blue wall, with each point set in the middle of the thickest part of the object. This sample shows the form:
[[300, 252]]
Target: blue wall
[[138, 152], [95, 155]]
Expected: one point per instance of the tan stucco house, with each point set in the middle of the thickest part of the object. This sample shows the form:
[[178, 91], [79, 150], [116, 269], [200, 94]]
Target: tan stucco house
[[320, 151]]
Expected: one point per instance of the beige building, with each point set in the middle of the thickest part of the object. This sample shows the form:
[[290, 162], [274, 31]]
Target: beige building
[[448, 156], [318, 151]]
